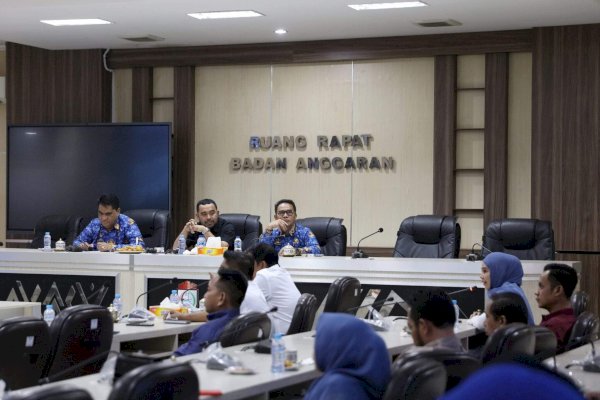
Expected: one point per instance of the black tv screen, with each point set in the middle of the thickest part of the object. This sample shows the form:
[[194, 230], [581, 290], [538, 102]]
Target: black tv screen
[[63, 169]]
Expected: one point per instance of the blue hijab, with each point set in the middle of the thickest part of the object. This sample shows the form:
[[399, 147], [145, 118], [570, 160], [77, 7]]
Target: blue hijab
[[506, 276], [354, 359]]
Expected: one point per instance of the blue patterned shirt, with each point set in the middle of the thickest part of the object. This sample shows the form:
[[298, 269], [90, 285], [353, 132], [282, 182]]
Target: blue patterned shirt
[[123, 233], [300, 237]]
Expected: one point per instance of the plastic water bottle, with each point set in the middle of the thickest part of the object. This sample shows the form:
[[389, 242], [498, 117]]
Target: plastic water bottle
[[456, 313], [118, 303], [237, 244], [47, 242], [181, 244], [49, 314], [201, 242], [174, 298], [277, 353]]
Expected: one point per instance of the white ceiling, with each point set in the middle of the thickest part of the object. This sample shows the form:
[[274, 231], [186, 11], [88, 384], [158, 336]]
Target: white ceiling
[[304, 20]]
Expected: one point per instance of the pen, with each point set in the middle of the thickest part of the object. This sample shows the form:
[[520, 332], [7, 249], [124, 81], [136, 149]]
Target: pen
[[205, 392]]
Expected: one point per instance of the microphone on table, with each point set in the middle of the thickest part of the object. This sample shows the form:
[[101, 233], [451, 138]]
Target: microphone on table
[[472, 256], [374, 304], [170, 282], [359, 253], [469, 289], [591, 363]]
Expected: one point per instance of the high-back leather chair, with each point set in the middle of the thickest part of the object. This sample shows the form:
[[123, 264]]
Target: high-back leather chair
[[58, 392], [418, 379], [304, 314], [24, 347], [545, 343], [584, 330], [247, 227], [330, 234], [512, 339], [154, 226], [458, 365], [579, 301], [65, 227], [247, 328], [164, 380], [527, 239], [428, 236], [343, 295], [77, 334]]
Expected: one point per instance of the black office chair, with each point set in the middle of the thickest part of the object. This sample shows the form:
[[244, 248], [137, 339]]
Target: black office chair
[[247, 227], [527, 239], [24, 347], [545, 343], [418, 379], [304, 314], [154, 226], [59, 392], [579, 301], [164, 381], [428, 236], [584, 330], [343, 295], [65, 227], [79, 333], [458, 365], [247, 328], [330, 234], [509, 340]]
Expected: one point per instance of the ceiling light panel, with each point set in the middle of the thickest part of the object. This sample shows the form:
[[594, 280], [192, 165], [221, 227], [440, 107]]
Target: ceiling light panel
[[226, 14], [75, 22], [386, 6]]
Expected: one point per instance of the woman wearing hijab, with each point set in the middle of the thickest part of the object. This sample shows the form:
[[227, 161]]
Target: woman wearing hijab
[[502, 273], [354, 360]]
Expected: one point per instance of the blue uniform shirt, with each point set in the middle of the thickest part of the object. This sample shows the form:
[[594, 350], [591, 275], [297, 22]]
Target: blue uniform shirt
[[123, 233], [207, 333], [300, 237]]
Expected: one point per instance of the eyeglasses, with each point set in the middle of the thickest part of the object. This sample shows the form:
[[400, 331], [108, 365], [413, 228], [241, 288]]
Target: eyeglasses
[[283, 213]]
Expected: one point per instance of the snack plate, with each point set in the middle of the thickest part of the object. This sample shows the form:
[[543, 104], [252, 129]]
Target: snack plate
[[130, 251]]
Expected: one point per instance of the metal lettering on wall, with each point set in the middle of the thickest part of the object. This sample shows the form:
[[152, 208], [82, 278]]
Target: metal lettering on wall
[[353, 144], [59, 290]]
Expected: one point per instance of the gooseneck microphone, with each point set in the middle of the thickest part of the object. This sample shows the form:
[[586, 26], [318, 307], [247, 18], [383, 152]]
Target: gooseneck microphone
[[477, 256], [469, 289], [359, 253], [374, 304], [170, 282]]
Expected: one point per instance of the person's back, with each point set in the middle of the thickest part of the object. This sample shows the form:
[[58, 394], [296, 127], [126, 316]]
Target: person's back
[[354, 360], [277, 286]]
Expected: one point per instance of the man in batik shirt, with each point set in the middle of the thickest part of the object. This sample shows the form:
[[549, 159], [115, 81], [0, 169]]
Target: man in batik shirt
[[111, 229], [284, 230]]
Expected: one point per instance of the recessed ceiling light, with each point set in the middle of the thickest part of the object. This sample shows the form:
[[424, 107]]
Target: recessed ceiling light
[[226, 14], [385, 6], [280, 31], [73, 22], [31, 133]]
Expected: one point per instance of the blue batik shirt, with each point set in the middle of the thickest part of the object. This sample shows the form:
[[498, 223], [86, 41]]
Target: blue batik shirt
[[207, 333], [124, 232], [300, 237]]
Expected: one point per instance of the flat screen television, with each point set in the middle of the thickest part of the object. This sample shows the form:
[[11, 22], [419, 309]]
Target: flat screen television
[[63, 169]]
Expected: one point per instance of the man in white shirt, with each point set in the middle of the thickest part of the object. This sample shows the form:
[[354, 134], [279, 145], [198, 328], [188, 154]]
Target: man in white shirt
[[277, 286]]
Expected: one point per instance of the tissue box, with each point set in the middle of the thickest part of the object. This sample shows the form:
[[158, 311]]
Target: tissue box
[[160, 311], [212, 251]]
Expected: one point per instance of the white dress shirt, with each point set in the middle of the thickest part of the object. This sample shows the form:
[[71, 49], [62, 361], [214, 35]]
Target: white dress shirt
[[280, 291], [254, 301]]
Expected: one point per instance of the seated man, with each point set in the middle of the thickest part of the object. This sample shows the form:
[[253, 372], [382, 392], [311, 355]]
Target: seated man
[[209, 224], [284, 230], [431, 320], [254, 300], [555, 287], [111, 228], [222, 300], [353, 358], [276, 285], [503, 309]]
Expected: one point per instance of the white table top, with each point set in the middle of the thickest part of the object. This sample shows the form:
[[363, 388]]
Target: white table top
[[160, 328], [588, 381]]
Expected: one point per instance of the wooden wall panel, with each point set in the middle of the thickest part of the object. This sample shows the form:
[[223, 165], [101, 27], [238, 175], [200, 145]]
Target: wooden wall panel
[[142, 93], [496, 137], [182, 184], [566, 142], [67, 86], [444, 135]]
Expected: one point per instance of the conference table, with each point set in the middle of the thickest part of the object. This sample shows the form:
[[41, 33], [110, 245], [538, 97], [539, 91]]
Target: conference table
[[263, 380], [588, 381], [63, 279], [160, 338]]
